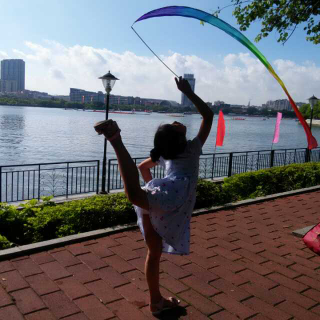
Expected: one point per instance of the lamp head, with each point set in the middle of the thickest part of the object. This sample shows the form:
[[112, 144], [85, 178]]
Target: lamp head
[[312, 101], [108, 81]]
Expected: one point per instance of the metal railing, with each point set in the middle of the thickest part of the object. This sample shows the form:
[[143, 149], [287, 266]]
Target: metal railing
[[221, 165], [32, 181]]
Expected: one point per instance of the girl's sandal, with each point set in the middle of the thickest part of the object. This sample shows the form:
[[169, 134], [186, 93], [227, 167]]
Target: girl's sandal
[[160, 307]]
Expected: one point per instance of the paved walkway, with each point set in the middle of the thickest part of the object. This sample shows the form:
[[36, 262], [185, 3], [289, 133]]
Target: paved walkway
[[244, 264]]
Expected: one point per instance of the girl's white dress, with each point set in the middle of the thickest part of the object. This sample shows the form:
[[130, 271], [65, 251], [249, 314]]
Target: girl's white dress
[[172, 198]]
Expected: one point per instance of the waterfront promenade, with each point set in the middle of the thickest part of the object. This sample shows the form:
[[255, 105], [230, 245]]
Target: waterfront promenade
[[245, 263]]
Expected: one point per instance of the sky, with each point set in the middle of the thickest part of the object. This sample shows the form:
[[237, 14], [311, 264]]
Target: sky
[[71, 43]]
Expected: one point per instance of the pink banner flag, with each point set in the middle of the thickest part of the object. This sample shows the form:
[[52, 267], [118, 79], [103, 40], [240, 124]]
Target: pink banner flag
[[221, 130], [277, 128]]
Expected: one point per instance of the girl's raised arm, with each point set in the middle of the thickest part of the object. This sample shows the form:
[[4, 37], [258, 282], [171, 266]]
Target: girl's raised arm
[[207, 114], [145, 167]]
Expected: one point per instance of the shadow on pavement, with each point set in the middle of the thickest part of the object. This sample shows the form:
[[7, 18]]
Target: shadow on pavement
[[172, 314]]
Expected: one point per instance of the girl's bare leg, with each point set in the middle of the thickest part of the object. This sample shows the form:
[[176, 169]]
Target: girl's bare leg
[[128, 169], [152, 264]]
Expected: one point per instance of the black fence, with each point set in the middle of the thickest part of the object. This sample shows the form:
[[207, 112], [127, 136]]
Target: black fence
[[33, 181], [220, 165]]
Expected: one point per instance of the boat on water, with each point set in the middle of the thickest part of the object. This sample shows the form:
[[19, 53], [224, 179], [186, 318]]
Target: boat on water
[[176, 115], [122, 112], [238, 118], [113, 111], [142, 113]]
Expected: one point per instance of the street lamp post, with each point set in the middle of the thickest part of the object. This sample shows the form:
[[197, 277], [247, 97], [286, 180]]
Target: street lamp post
[[312, 101], [108, 81]]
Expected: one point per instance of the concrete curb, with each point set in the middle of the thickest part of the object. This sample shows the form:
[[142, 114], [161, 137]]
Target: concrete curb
[[300, 233], [256, 200], [50, 244]]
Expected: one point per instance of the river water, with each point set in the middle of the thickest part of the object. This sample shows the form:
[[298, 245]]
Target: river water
[[41, 135]]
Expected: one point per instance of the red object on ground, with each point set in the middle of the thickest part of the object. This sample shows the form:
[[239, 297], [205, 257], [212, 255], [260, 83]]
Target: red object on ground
[[312, 239], [221, 130]]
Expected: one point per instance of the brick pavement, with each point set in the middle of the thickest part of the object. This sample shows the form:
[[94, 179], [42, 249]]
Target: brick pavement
[[244, 264]]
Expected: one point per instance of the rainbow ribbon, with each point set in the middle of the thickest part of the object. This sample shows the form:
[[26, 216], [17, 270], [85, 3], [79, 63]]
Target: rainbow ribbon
[[234, 33]]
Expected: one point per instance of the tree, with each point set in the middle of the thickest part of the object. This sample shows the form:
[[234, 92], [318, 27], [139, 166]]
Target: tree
[[306, 111], [252, 110], [281, 15]]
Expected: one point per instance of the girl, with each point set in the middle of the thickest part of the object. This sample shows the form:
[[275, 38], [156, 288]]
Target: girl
[[164, 206]]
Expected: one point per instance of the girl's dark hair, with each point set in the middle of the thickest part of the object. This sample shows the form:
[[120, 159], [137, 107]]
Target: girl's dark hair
[[168, 143]]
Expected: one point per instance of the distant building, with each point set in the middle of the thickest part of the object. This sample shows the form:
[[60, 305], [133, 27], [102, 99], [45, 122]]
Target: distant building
[[237, 110], [170, 103], [62, 97], [218, 103], [224, 105], [29, 94], [185, 102], [116, 99], [237, 106], [12, 75], [83, 96], [7, 86], [278, 105], [159, 102]]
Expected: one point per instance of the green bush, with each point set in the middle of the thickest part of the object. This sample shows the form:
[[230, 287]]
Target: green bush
[[209, 194], [44, 220], [12, 224], [5, 243], [270, 181], [78, 216]]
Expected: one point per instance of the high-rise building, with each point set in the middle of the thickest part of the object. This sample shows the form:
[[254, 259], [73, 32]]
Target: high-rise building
[[12, 75], [185, 102], [8, 86]]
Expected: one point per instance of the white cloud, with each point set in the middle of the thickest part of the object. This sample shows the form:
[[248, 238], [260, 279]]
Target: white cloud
[[3, 55], [54, 68], [56, 74]]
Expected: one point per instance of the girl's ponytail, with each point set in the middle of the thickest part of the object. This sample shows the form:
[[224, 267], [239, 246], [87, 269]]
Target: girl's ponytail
[[155, 155]]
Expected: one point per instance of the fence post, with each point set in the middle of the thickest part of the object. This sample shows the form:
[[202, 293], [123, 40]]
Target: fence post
[[272, 158], [39, 182], [67, 191], [0, 184], [98, 176], [307, 159], [109, 167], [230, 165], [213, 160]]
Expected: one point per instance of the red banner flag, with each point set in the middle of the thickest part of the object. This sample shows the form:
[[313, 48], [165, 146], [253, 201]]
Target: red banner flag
[[221, 130]]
